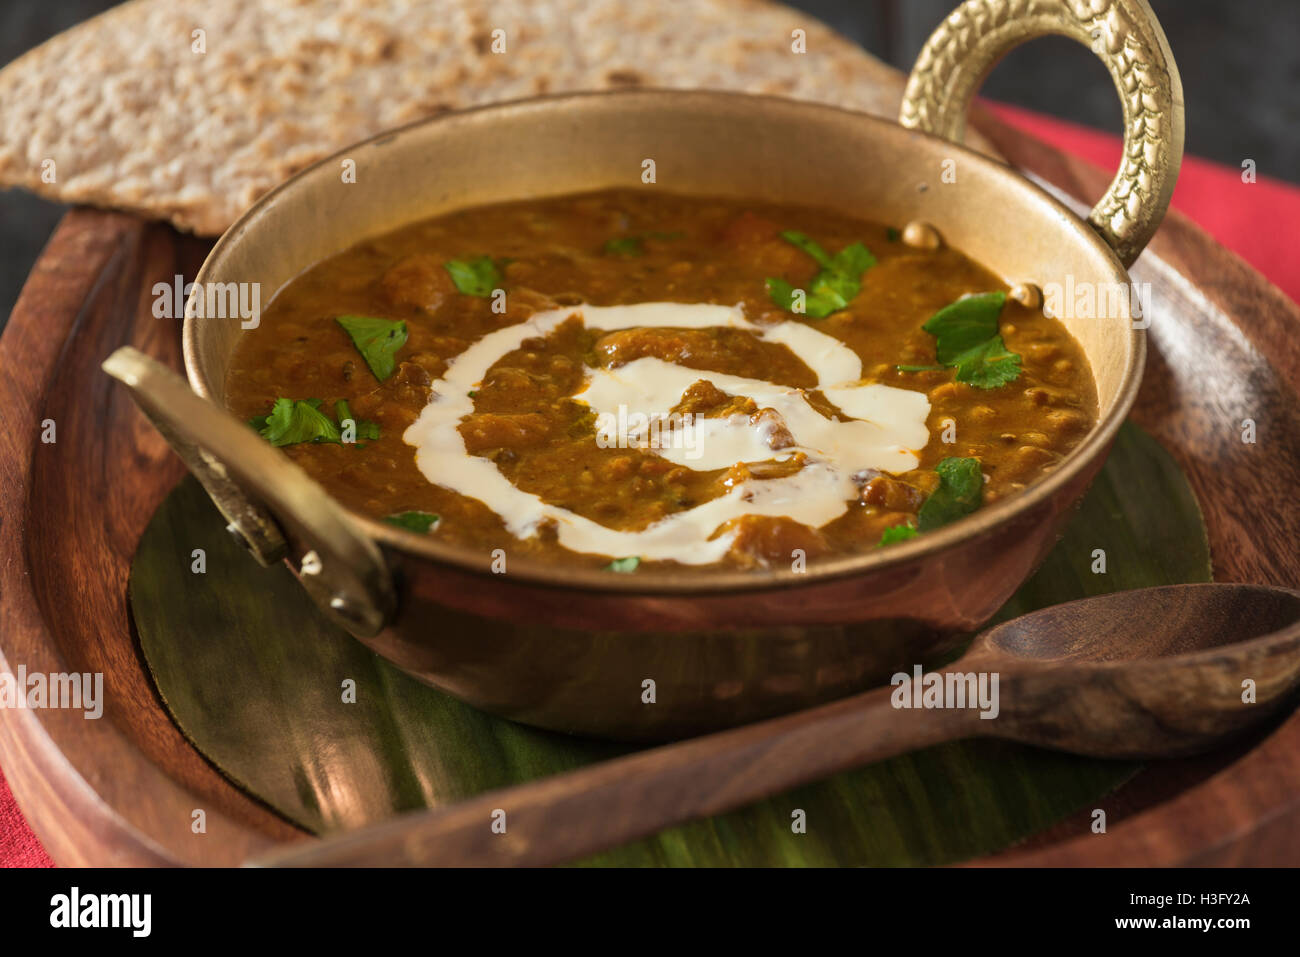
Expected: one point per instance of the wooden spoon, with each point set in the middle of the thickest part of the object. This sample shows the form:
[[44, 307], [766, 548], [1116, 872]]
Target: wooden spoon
[[1148, 673]]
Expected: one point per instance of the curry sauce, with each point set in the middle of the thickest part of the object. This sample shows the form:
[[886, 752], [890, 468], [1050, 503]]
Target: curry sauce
[[1005, 410]]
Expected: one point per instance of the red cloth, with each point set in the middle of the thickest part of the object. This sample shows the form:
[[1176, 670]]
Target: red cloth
[[18, 845], [1248, 218]]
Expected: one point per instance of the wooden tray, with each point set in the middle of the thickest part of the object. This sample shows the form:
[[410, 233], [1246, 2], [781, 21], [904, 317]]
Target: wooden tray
[[122, 790]]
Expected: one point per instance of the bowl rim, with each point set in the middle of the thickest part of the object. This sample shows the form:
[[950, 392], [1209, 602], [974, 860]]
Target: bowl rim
[[688, 579]]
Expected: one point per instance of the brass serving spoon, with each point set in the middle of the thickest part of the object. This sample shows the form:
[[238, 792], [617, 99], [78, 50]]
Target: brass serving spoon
[[1148, 673]]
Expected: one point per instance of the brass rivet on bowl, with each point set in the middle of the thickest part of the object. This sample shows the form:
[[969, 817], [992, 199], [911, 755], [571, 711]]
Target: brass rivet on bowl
[[1027, 294], [921, 235]]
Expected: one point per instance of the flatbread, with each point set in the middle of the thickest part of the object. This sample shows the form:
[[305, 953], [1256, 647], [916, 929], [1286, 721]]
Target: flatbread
[[134, 118]]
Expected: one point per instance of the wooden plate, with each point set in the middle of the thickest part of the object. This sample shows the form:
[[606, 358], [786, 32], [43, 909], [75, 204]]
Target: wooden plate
[[123, 789]]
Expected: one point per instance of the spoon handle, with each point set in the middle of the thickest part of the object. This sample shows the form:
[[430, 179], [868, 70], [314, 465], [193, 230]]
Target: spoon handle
[[571, 816]]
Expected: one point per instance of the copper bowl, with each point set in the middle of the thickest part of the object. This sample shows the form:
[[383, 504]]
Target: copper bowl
[[658, 655]]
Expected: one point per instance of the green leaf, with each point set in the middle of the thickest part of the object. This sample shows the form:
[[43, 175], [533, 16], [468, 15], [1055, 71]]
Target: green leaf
[[893, 235], [782, 293], [898, 533], [291, 422], [839, 280], [967, 339], [989, 365], [418, 522], [294, 421], [377, 340], [965, 324], [219, 654], [960, 492], [624, 246], [624, 565], [853, 260], [811, 247], [629, 246], [364, 429], [475, 277]]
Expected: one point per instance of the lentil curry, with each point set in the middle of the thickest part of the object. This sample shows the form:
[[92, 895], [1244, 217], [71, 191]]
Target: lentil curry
[[633, 376]]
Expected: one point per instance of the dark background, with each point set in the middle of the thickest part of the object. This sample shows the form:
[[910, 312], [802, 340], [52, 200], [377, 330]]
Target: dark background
[[1238, 60]]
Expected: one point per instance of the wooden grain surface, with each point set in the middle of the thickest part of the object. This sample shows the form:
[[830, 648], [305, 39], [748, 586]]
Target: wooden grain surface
[[250, 669], [1223, 348], [123, 789]]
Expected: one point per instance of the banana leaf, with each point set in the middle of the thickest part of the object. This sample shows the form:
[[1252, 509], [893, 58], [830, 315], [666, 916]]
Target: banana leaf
[[257, 680]]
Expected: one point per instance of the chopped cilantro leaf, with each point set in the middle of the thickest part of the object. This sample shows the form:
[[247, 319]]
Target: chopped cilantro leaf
[[782, 293], [893, 235], [364, 429], [812, 248], [624, 565], [294, 421], [839, 280], [898, 533], [988, 365], [965, 324], [418, 522], [624, 246], [635, 245], [966, 339], [960, 492], [475, 277], [377, 340]]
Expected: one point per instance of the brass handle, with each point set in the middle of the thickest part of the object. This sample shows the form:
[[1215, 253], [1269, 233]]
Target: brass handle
[[1126, 36], [270, 502]]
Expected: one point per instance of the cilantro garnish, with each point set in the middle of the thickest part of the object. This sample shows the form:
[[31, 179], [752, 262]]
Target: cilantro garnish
[[898, 533], [364, 429], [967, 339], [475, 277], [960, 492], [624, 565], [418, 522], [635, 245], [893, 235], [377, 340], [839, 280], [294, 421], [623, 246]]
